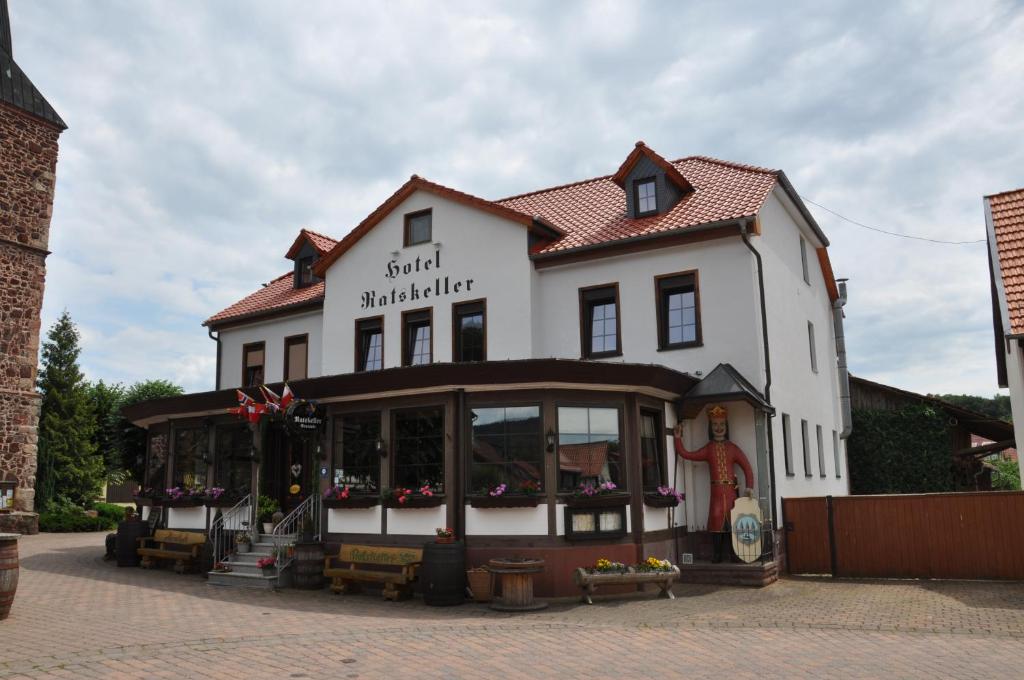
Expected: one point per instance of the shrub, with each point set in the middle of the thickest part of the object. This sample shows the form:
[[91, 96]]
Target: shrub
[[114, 513], [69, 519], [268, 506]]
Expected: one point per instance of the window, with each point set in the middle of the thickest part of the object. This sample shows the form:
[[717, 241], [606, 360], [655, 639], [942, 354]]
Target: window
[[587, 523], [252, 364], [304, 272], [370, 344], [417, 341], [645, 195], [469, 342], [356, 459], [419, 448], [787, 443], [588, 447], [418, 227], [835, 454], [652, 451], [814, 350], [807, 449], [599, 313], [296, 357], [508, 448], [803, 260], [233, 468], [821, 451], [156, 467], [190, 458], [678, 311]]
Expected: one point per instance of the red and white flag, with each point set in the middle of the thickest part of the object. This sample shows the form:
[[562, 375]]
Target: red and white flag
[[244, 399], [273, 401], [286, 396], [255, 410]]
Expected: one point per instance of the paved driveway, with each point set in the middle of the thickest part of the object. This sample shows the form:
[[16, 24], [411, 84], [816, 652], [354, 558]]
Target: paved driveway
[[78, 616]]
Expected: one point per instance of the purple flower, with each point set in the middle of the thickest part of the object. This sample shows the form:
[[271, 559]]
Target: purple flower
[[608, 486], [498, 490]]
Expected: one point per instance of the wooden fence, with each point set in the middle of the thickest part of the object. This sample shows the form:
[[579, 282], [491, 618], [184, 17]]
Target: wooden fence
[[976, 535]]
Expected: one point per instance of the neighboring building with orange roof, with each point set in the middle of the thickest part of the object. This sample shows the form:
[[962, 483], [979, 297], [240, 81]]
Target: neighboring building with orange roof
[[1004, 223], [541, 341]]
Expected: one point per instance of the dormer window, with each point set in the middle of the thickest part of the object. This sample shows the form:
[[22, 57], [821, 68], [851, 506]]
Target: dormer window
[[304, 272], [645, 194]]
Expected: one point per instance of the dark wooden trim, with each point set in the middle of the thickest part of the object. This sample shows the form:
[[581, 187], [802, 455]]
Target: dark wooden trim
[[352, 502], [659, 305], [606, 500], [656, 500], [288, 342], [245, 361], [586, 325], [434, 501], [357, 365], [456, 344], [636, 196], [505, 501], [406, 358], [405, 229], [659, 414]]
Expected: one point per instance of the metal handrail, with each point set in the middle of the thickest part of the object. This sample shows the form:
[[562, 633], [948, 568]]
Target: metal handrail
[[222, 537], [291, 525]]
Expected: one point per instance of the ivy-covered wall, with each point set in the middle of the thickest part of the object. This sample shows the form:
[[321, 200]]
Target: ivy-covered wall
[[902, 451]]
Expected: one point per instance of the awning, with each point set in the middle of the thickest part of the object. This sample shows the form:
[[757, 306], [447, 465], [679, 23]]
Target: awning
[[723, 383]]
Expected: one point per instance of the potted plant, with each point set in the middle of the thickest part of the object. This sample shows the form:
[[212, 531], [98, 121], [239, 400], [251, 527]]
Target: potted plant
[[665, 497], [424, 497], [444, 535], [243, 542], [268, 506], [266, 562], [526, 495]]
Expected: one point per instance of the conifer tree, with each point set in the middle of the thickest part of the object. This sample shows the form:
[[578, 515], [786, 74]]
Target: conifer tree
[[70, 469]]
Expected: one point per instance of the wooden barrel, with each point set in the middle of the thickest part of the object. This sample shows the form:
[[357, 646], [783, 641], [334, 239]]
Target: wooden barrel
[[443, 575], [309, 566], [8, 572]]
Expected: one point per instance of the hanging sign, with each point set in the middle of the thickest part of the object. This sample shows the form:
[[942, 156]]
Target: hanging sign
[[305, 417]]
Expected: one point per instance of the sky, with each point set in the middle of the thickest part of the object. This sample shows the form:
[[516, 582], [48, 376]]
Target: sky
[[203, 135]]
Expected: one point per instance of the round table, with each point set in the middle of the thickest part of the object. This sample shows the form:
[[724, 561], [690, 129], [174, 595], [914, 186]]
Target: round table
[[516, 575]]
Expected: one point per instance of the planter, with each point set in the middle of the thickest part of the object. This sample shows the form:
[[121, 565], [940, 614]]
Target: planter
[[589, 582], [144, 501], [351, 502], [505, 501], [604, 500], [444, 539], [243, 548], [182, 503], [413, 502], [656, 500], [268, 527]]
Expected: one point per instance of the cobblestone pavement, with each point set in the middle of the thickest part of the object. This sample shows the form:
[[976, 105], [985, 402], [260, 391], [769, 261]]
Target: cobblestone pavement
[[77, 616]]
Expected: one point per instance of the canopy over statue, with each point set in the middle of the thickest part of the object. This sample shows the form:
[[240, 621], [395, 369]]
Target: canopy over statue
[[722, 456]]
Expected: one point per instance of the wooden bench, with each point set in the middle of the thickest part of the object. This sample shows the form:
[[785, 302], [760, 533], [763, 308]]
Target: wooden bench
[[362, 559], [180, 546], [589, 582]]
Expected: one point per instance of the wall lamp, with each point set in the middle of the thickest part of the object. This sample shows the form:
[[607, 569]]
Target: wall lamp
[[381, 447], [550, 439]]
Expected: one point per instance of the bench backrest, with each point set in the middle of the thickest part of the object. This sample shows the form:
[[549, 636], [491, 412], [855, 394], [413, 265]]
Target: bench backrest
[[183, 537], [377, 554]]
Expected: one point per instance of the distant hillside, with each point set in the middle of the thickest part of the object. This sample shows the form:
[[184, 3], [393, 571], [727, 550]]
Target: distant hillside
[[997, 407]]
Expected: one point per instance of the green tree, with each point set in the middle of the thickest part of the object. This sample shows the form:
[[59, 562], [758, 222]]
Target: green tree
[[1006, 476], [106, 407], [997, 407], [70, 469], [131, 440]]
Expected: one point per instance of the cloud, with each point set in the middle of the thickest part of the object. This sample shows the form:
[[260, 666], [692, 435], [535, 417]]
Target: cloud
[[204, 135]]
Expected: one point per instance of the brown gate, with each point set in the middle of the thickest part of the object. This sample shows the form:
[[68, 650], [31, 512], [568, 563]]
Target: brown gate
[[807, 535], [976, 535]]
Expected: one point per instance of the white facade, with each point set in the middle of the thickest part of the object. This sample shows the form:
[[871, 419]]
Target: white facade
[[273, 333]]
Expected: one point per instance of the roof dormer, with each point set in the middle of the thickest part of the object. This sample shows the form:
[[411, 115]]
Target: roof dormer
[[652, 185], [307, 248]]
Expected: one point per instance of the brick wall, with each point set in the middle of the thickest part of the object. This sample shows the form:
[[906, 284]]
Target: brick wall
[[28, 161]]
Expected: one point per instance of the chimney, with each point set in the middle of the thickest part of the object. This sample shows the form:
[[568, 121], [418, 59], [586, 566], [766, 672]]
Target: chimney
[[5, 29]]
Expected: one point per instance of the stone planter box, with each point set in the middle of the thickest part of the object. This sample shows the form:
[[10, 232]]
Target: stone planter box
[[656, 500], [351, 502], [606, 500], [505, 501], [414, 502], [589, 582]]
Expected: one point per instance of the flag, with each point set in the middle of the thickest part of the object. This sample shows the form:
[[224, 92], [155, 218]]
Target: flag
[[255, 410], [243, 398], [237, 410], [286, 396], [273, 401]]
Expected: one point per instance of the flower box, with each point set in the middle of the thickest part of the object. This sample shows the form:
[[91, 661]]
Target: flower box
[[145, 501], [191, 502], [656, 500], [505, 500], [221, 502], [413, 502], [352, 502], [588, 581], [598, 500]]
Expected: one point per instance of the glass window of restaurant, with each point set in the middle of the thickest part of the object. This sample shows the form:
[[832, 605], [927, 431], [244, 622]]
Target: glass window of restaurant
[[652, 450], [356, 459], [190, 446], [233, 461], [508, 449], [156, 467], [419, 448], [589, 447]]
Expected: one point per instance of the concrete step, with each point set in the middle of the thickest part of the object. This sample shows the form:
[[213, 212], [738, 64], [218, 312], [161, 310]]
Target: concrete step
[[248, 568], [242, 580]]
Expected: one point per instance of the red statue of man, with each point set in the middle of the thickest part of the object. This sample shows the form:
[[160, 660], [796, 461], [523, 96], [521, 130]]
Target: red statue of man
[[721, 455]]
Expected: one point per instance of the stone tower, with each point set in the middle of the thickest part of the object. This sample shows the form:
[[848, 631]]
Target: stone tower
[[29, 128]]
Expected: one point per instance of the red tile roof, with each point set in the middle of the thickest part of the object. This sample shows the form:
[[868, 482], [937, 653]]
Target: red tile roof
[[1007, 210], [587, 459], [323, 244], [593, 211], [278, 295]]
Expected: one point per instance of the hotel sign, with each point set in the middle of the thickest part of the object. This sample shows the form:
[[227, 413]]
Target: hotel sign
[[304, 417], [410, 289]]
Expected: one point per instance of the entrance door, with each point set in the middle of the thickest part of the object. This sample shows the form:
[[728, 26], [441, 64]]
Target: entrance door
[[286, 474]]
